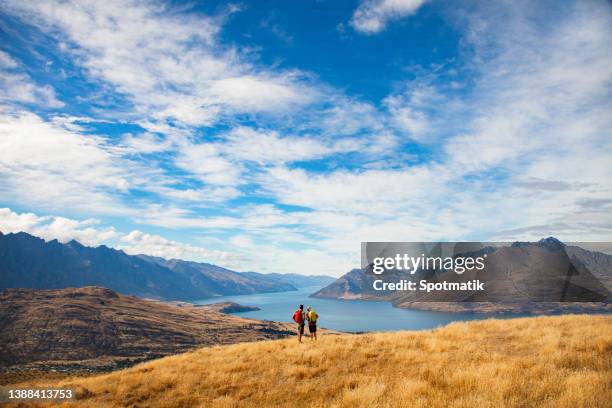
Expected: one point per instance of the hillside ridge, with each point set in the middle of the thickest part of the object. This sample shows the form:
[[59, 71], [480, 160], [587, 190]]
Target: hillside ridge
[[97, 328], [560, 361]]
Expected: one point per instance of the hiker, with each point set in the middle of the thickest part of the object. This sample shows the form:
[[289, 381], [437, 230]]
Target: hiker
[[298, 317], [312, 317]]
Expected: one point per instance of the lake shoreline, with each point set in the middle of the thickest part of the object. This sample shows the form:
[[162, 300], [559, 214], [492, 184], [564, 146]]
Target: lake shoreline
[[493, 309], [350, 315]]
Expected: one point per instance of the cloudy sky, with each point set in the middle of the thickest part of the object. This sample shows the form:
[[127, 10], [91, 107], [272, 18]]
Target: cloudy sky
[[276, 135]]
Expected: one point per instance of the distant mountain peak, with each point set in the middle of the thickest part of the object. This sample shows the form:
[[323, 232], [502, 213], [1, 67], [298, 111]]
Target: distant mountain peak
[[551, 243], [75, 244]]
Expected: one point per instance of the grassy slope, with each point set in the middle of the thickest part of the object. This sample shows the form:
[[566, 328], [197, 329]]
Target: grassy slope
[[545, 361], [101, 326]]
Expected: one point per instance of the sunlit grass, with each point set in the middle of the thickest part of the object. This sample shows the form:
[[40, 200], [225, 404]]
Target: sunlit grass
[[541, 362]]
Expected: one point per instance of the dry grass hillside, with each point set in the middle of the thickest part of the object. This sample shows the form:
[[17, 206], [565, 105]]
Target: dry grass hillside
[[95, 327], [541, 362]]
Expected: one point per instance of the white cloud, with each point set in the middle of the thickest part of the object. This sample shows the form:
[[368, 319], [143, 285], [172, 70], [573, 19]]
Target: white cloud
[[427, 108], [538, 95], [249, 93], [88, 233], [65, 229], [205, 160], [301, 261], [137, 242], [60, 228], [349, 117], [168, 216], [145, 143], [227, 162], [170, 64], [14, 222], [201, 195], [45, 164], [247, 144], [17, 86], [6, 61], [382, 192], [407, 118], [372, 16]]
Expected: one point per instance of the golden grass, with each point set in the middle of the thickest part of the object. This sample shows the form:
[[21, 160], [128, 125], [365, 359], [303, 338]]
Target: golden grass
[[561, 361]]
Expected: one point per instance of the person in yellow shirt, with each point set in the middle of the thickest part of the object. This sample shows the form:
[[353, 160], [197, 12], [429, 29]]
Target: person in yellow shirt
[[311, 317]]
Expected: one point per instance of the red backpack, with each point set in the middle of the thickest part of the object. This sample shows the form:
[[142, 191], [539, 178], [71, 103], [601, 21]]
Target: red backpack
[[298, 317]]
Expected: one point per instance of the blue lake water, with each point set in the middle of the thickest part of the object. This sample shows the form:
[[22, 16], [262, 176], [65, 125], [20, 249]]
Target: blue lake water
[[343, 315]]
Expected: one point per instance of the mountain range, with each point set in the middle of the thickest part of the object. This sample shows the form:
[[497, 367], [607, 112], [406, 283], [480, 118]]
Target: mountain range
[[27, 261], [299, 281], [521, 277]]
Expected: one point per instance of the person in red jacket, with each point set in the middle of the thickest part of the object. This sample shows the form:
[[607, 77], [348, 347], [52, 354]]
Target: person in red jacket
[[299, 318]]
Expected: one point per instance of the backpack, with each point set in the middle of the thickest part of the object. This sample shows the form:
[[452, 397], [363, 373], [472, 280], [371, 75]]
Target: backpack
[[298, 317], [313, 316]]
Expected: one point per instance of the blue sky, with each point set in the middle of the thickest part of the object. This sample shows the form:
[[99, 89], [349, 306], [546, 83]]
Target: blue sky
[[275, 136]]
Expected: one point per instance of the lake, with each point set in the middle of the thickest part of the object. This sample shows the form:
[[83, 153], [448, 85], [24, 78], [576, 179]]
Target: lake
[[343, 315]]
